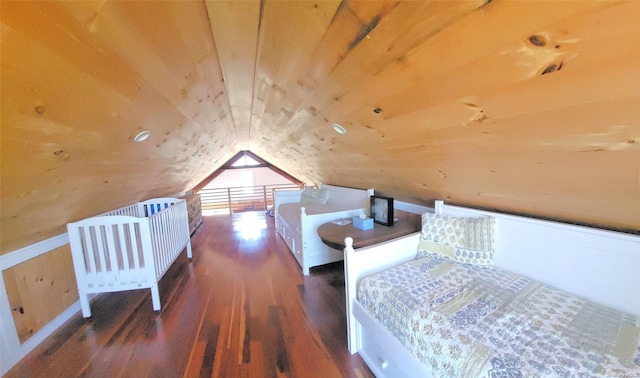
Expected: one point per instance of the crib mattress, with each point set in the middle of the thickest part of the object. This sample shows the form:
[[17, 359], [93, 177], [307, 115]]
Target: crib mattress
[[469, 321]]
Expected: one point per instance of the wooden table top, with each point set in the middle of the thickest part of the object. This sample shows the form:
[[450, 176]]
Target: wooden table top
[[333, 234]]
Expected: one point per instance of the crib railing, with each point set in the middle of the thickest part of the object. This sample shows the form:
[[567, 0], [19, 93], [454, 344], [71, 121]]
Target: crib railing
[[143, 209], [116, 252], [155, 205], [169, 232], [130, 211]]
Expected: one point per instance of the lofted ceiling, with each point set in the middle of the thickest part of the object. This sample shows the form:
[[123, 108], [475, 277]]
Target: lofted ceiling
[[521, 106]]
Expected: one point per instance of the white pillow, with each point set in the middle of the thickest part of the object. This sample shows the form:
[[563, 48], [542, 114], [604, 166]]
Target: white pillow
[[314, 195], [466, 240]]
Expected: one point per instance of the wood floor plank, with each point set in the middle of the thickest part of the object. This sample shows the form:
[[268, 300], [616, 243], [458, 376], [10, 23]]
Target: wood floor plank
[[240, 308]]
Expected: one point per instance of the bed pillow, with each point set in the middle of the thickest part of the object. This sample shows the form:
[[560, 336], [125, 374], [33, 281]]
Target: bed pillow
[[314, 195], [465, 240]]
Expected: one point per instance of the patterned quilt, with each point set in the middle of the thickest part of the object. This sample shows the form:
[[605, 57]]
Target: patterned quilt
[[463, 320]]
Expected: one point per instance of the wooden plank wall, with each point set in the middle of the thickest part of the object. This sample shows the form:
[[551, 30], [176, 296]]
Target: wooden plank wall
[[40, 289], [79, 81], [519, 106], [524, 107]]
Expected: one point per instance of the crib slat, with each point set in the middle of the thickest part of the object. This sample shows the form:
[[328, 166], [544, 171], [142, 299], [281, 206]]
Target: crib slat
[[159, 237], [169, 240], [180, 226], [102, 274], [163, 223], [134, 249], [185, 231], [154, 230], [124, 253], [171, 236], [147, 252], [154, 243], [89, 254], [112, 254], [174, 238]]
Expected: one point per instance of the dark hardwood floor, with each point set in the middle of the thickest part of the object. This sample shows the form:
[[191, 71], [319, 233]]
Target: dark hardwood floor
[[241, 308]]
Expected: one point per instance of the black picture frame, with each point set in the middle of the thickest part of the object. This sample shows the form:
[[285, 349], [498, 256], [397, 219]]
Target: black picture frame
[[382, 210]]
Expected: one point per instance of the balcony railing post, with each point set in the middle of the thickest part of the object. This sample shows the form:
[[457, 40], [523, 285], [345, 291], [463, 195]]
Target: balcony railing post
[[229, 200], [264, 196]]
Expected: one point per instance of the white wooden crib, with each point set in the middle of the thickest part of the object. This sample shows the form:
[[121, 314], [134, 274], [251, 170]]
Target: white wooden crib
[[128, 248]]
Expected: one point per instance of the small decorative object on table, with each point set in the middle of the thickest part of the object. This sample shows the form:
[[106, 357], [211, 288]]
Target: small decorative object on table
[[382, 210], [362, 222]]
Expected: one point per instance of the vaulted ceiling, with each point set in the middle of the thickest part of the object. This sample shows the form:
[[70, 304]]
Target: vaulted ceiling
[[521, 106]]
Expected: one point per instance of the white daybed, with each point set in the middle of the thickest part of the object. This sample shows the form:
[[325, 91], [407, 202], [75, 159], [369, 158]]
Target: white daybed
[[592, 267], [128, 248], [298, 216]]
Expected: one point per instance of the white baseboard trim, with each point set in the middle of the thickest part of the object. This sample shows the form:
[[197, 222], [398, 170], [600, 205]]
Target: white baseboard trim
[[38, 338]]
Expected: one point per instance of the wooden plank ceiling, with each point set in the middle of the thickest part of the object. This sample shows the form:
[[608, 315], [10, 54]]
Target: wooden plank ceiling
[[527, 107]]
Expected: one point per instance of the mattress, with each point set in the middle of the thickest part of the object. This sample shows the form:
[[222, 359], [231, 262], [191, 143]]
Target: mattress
[[467, 321]]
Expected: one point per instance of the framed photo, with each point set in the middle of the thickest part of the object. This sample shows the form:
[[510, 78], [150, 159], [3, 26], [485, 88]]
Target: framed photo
[[382, 210]]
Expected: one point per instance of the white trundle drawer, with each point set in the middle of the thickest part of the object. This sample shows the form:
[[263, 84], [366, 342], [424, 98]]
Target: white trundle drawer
[[291, 243], [383, 353], [281, 229], [281, 226], [378, 360]]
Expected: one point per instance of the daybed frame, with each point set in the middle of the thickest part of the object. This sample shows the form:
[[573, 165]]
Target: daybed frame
[[128, 248], [306, 245], [599, 265]]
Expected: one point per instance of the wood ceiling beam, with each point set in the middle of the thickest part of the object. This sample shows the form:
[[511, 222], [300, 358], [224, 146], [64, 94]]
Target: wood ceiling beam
[[235, 26], [230, 165]]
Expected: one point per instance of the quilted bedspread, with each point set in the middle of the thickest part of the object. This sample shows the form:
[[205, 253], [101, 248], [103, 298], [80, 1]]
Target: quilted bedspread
[[467, 321]]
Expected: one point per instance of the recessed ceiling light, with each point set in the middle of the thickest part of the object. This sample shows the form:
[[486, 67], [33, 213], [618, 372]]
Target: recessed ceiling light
[[339, 129], [143, 135]]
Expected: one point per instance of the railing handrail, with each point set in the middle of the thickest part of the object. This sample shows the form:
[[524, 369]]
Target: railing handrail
[[254, 186], [241, 198]]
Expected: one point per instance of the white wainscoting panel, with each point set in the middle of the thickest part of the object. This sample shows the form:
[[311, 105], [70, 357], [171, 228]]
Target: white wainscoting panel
[[596, 264]]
